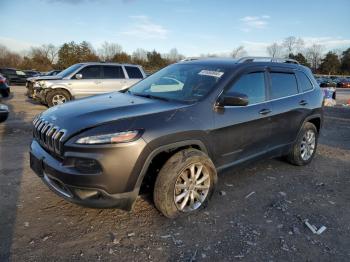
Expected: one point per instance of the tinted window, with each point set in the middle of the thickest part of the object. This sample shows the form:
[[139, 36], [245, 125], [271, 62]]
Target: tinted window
[[304, 82], [133, 72], [91, 72], [252, 85], [113, 72], [283, 84]]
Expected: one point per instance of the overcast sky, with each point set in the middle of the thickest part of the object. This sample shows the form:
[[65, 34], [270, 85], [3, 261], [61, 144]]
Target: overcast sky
[[192, 26]]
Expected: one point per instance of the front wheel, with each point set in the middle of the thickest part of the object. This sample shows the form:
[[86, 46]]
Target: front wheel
[[304, 148], [57, 97], [185, 183]]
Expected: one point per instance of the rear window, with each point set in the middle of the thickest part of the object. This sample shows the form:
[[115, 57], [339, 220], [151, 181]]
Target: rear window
[[304, 82], [133, 72], [283, 84], [113, 72]]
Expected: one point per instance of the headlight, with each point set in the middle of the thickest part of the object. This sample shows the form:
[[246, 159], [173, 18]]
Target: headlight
[[36, 84], [121, 137]]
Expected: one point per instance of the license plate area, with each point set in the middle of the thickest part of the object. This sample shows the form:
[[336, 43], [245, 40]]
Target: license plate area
[[36, 165]]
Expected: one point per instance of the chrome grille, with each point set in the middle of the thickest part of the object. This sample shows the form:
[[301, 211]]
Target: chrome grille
[[48, 135]]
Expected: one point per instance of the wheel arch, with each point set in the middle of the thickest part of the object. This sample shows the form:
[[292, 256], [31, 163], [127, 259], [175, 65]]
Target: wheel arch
[[161, 154], [57, 88]]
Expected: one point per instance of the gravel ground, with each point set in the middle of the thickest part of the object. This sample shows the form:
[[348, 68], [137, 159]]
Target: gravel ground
[[256, 214]]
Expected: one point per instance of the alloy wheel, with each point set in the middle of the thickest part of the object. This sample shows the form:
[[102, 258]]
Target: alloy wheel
[[192, 187], [308, 144], [58, 99]]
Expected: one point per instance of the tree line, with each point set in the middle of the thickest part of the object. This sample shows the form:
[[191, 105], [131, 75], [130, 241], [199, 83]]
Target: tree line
[[332, 63], [48, 57]]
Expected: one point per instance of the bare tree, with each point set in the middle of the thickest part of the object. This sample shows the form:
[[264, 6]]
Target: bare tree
[[274, 50], [239, 52], [8, 58], [109, 50], [292, 44], [174, 55], [51, 52], [314, 55], [139, 55]]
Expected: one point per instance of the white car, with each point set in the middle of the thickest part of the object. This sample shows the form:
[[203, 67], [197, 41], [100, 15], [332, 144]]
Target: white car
[[86, 79]]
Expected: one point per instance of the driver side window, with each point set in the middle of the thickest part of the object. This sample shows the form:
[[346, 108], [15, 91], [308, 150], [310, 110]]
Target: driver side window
[[90, 72], [252, 85]]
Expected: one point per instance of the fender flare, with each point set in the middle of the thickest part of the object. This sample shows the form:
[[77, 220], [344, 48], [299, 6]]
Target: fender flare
[[163, 148], [307, 119]]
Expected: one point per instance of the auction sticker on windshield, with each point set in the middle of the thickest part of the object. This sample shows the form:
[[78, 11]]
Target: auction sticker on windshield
[[211, 73]]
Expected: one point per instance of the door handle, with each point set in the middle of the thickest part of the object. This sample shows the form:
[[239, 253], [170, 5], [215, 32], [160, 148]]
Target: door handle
[[264, 111], [303, 103]]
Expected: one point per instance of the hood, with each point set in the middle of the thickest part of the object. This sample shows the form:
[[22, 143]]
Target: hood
[[38, 78], [92, 111]]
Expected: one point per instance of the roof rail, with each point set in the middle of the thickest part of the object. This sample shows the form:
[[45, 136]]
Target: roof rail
[[189, 59], [249, 59]]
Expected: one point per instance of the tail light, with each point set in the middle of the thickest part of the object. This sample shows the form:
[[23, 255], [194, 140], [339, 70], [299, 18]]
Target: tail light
[[2, 80]]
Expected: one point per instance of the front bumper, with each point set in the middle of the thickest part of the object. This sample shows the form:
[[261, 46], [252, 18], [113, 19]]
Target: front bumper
[[107, 189]]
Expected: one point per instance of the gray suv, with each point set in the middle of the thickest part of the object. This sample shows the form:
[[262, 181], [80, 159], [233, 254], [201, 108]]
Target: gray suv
[[86, 79], [171, 133]]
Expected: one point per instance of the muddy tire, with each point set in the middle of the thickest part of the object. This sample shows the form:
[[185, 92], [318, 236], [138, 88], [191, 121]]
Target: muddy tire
[[185, 183], [304, 148], [57, 97]]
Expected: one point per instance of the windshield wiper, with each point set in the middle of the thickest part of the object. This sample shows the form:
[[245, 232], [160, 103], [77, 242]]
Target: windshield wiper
[[150, 96]]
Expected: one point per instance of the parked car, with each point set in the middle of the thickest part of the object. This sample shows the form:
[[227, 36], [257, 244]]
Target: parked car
[[344, 83], [86, 79], [101, 150], [328, 83], [51, 73], [31, 73], [13, 76], [4, 88], [4, 113]]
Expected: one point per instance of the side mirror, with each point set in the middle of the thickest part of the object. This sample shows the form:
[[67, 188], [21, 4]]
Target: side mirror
[[233, 99], [4, 113], [78, 76]]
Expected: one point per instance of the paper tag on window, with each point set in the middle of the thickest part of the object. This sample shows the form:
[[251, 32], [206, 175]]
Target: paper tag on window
[[211, 73]]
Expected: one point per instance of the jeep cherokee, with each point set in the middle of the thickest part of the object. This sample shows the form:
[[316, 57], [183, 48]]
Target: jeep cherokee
[[173, 131]]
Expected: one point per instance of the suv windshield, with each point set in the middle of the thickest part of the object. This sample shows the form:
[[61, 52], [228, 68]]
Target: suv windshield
[[66, 72], [180, 82]]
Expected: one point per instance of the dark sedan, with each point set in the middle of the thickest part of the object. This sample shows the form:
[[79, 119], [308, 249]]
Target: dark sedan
[[14, 76]]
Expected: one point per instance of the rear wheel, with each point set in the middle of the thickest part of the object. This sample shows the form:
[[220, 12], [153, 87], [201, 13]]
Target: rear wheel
[[185, 183], [304, 149], [57, 97]]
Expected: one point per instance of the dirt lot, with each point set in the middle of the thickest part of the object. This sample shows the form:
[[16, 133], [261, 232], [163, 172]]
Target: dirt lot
[[267, 225]]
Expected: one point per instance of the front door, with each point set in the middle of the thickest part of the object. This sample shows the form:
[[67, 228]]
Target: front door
[[90, 82], [242, 132]]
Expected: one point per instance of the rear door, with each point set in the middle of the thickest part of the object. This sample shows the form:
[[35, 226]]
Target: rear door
[[242, 132], [113, 78], [134, 75], [287, 106], [89, 84]]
